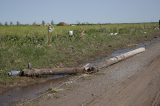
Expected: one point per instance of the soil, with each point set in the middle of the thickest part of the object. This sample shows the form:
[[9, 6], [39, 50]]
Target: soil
[[132, 82]]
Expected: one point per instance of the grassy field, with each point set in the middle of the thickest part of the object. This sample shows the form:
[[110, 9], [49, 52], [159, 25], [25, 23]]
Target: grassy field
[[20, 45]]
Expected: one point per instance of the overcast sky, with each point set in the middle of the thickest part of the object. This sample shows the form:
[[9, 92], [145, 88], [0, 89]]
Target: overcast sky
[[74, 11]]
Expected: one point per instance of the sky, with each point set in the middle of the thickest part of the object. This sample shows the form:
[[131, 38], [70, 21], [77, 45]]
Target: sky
[[75, 11]]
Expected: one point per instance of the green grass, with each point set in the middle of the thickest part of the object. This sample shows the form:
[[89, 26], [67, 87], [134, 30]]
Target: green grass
[[20, 45]]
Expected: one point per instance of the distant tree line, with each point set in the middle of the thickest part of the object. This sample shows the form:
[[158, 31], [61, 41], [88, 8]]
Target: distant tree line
[[43, 23], [10, 23]]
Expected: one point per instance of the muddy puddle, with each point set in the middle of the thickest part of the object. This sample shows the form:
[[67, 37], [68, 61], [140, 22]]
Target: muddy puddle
[[18, 94], [29, 92]]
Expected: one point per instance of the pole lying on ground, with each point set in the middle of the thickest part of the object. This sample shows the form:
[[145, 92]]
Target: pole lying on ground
[[120, 57], [51, 71], [85, 69]]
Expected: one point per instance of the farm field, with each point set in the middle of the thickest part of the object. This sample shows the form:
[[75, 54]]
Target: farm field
[[20, 45]]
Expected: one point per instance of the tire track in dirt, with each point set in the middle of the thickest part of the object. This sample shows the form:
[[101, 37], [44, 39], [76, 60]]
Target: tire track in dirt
[[139, 91]]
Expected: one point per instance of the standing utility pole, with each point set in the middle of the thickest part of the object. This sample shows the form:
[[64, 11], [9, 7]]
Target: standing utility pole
[[50, 29], [159, 24]]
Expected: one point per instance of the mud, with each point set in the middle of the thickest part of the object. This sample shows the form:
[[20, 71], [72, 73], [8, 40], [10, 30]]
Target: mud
[[29, 92]]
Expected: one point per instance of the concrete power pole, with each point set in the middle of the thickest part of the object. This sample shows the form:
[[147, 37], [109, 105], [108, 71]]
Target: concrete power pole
[[159, 24], [50, 30]]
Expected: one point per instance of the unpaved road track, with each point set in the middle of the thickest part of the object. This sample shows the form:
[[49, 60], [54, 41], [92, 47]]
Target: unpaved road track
[[142, 89], [133, 82]]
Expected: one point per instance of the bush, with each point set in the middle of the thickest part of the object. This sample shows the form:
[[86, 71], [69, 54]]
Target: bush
[[62, 24]]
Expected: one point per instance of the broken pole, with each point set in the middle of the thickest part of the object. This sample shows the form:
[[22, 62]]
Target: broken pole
[[52, 71], [88, 68], [118, 58]]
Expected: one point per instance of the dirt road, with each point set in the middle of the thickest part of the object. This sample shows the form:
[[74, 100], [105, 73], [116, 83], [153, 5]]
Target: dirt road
[[142, 89], [133, 82]]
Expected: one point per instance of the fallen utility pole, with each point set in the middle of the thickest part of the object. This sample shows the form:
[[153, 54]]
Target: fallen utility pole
[[51, 71], [55, 71], [113, 60], [88, 68]]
